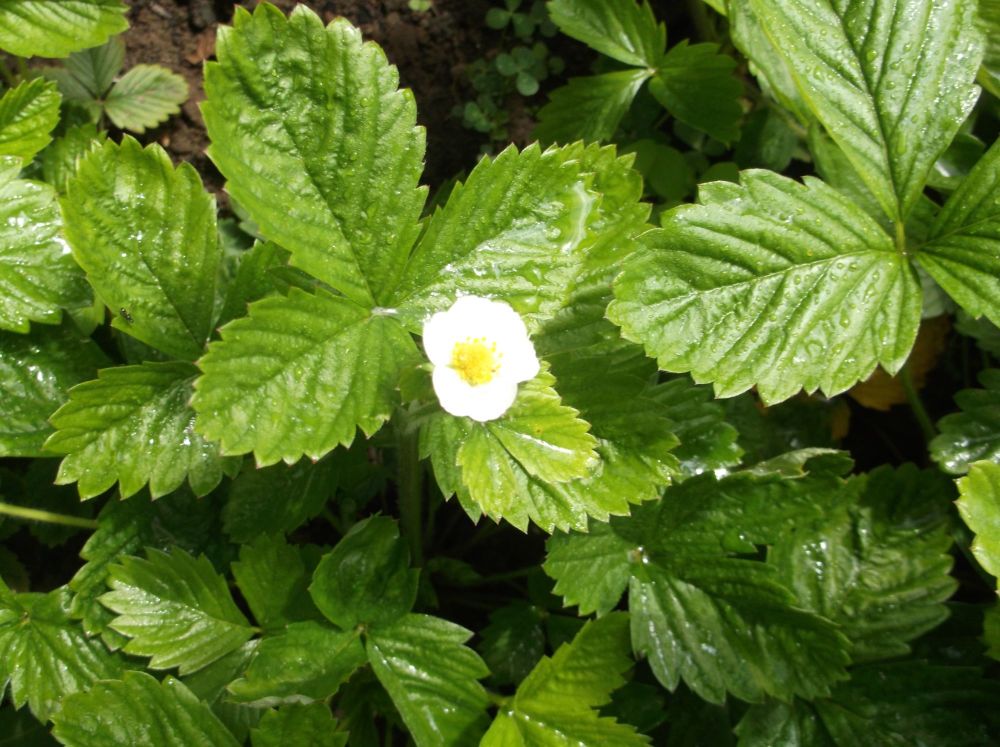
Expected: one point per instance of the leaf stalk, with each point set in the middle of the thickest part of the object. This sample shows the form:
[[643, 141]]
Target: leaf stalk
[[50, 517]]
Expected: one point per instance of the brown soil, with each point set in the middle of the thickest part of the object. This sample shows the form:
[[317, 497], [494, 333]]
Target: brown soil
[[430, 49]]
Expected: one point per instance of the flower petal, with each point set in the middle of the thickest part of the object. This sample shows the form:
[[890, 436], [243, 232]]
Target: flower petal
[[482, 403]]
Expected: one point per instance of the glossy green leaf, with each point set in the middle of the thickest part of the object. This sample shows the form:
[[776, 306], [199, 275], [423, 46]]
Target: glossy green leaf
[[588, 108], [45, 656], [307, 661], [770, 283], [59, 160], [38, 277], [707, 440], [139, 710], [337, 154], [963, 250], [366, 579], [621, 29], [133, 425], [87, 75], [28, 113], [54, 29], [982, 330], [880, 568], [432, 679], [719, 623], [907, 702], [556, 703], [272, 577], [175, 608], [891, 87], [36, 371], [146, 235], [255, 278], [695, 83], [310, 725], [974, 433], [145, 97], [980, 509], [513, 642], [300, 375]]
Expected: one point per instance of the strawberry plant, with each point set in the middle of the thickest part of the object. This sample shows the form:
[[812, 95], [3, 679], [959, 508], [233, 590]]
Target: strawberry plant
[[511, 465]]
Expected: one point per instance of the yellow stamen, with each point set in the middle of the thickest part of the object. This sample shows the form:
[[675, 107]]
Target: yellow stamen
[[476, 360]]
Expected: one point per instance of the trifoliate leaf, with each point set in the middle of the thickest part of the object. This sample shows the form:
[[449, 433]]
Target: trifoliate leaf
[[880, 568], [28, 113], [556, 703], [45, 656], [510, 232], [964, 242], [139, 710], [432, 679], [980, 508], [59, 160], [133, 425], [337, 154], [588, 108], [695, 83], [974, 433], [272, 576], [307, 661], [300, 375], [366, 579], [145, 97], [770, 283], [42, 28], [87, 75], [621, 29], [719, 623], [38, 277], [176, 609], [36, 370], [251, 508], [891, 87], [310, 725], [146, 235], [907, 702]]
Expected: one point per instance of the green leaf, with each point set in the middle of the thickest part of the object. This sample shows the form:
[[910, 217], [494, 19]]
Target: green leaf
[[707, 441], [305, 488], [28, 113], [45, 656], [36, 371], [42, 28], [511, 231], [879, 569], [621, 29], [145, 97], [891, 87], [255, 278], [432, 679], [556, 703], [59, 160], [146, 235], [983, 331], [366, 579], [272, 576], [38, 277], [92, 71], [588, 108], [299, 376], [133, 425], [964, 243], [175, 608], [695, 83], [907, 702], [310, 725], [974, 433], [989, 24], [770, 283], [139, 710], [513, 642], [337, 154], [307, 661], [719, 623], [980, 509]]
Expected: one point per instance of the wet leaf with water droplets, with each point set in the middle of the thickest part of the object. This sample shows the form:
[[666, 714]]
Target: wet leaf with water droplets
[[974, 433]]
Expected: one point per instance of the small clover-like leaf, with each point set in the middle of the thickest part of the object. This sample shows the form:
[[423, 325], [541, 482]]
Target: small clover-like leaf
[[144, 97]]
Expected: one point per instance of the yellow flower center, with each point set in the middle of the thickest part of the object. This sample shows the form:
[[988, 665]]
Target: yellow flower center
[[476, 360]]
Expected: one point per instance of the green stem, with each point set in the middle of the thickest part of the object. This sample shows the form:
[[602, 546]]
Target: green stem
[[410, 486], [34, 514], [900, 237], [702, 21], [916, 404]]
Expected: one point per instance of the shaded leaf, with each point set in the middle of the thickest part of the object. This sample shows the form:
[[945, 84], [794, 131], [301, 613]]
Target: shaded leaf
[[974, 433], [272, 576], [310, 725], [588, 108], [59, 160]]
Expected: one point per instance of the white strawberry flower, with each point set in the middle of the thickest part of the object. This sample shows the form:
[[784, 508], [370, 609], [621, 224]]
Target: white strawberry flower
[[480, 351]]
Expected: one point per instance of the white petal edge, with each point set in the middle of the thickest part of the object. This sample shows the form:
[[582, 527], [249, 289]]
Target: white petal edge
[[481, 403]]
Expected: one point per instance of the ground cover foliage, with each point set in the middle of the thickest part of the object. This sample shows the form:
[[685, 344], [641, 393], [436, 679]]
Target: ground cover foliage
[[233, 511]]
